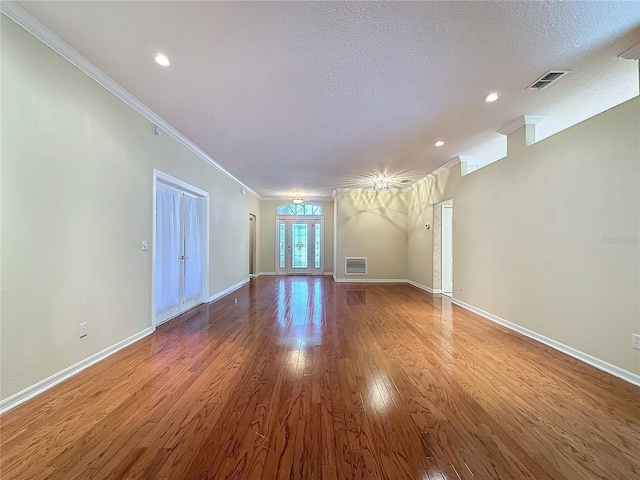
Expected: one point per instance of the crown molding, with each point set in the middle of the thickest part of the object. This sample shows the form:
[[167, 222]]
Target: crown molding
[[12, 11], [446, 166], [520, 122], [451, 163], [632, 54]]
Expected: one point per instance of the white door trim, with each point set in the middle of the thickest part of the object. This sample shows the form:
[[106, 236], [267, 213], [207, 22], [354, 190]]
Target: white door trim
[[159, 176]]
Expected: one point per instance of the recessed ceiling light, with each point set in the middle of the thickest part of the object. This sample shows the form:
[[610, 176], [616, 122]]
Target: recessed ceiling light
[[492, 97], [162, 59], [439, 143]]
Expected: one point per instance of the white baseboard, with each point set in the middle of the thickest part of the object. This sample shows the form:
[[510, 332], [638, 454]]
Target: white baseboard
[[370, 280], [424, 287], [267, 274], [30, 392], [329, 274], [561, 347], [227, 291]]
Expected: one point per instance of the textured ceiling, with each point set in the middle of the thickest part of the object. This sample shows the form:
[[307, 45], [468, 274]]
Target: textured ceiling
[[306, 97]]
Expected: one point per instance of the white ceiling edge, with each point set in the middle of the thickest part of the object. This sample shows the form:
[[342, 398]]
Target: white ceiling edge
[[472, 159], [451, 163], [632, 54], [15, 13], [520, 122]]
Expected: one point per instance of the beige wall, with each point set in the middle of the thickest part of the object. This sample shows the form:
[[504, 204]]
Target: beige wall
[[268, 211], [531, 230], [373, 225], [76, 186], [420, 242]]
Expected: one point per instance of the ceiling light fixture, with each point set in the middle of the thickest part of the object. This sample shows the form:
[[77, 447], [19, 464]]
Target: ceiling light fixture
[[298, 200], [439, 143], [492, 97], [162, 59], [380, 184]]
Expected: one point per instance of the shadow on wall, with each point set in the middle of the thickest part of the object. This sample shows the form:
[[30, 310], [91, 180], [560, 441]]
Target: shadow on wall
[[420, 202], [390, 206]]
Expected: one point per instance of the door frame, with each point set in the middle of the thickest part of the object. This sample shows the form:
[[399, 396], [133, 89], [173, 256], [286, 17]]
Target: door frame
[[299, 219], [162, 177], [253, 251], [449, 258]]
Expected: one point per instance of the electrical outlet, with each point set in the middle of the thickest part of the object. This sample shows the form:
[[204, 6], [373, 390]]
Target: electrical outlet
[[635, 340], [83, 329]]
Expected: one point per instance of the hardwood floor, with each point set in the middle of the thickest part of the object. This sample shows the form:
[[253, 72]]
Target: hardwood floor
[[305, 378]]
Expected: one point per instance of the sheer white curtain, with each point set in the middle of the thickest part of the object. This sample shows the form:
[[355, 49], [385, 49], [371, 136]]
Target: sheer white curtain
[[167, 269], [192, 247]]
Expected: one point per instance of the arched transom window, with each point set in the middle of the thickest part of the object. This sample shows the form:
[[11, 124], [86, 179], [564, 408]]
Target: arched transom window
[[299, 209]]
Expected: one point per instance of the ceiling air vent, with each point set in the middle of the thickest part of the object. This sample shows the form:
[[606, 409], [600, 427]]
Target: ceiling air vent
[[355, 265], [547, 79], [405, 181]]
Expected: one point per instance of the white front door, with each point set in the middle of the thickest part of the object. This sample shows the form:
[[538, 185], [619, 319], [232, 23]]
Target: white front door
[[447, 250], [299, 246], [179, 251]]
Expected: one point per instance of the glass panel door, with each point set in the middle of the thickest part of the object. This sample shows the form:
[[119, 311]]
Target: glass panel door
[[282, 245], [192, 250], [179, 252], [167, 252], [316, 246], [299, 247]]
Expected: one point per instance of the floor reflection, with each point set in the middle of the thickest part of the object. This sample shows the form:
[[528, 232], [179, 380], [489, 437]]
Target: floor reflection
[[300, 313], [446, 331], [380, 396]]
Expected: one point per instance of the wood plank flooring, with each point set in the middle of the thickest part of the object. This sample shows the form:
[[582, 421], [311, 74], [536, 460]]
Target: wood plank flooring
[[304, 378]]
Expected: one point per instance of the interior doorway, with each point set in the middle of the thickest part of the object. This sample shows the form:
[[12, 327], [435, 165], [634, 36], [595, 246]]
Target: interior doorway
[[180, 247], [252, 245], [299, 246], [447, 250]]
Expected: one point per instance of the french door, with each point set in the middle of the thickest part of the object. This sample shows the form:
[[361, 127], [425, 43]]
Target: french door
[[300, 246], [179, 251]]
